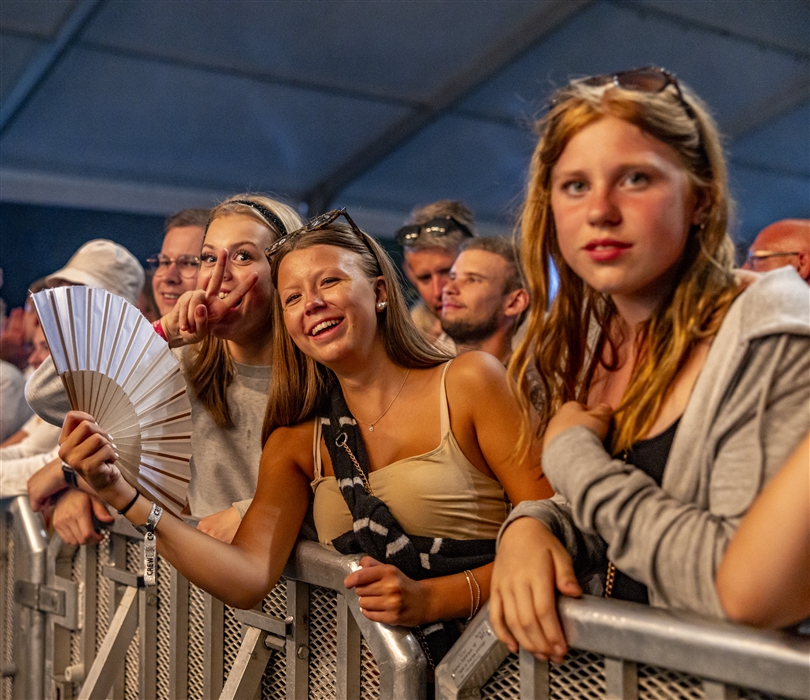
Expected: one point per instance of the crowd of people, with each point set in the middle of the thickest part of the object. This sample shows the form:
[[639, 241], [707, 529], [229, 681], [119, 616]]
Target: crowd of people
[[606, 404]]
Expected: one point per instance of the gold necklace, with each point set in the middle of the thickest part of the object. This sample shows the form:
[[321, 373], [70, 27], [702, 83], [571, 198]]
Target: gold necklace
[[371, 425]]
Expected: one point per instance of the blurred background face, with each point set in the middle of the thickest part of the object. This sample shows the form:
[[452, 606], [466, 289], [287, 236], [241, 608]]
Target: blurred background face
[[41, 349], [429, 270], [168, 283]]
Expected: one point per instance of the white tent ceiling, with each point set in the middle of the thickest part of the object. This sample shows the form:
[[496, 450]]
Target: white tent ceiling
[[377, 105]]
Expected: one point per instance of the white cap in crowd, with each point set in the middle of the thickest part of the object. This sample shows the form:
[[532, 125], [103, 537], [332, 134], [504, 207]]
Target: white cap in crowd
[[105, 264]]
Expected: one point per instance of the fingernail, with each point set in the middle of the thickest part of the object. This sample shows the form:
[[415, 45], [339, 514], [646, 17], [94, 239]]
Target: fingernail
[[541, 657], [559, 651], [115, 447]]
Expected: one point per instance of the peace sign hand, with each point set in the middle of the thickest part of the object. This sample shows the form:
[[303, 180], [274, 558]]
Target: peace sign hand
[[197, 313]]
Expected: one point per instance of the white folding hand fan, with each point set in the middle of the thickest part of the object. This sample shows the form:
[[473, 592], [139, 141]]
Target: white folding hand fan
[[116, 368]]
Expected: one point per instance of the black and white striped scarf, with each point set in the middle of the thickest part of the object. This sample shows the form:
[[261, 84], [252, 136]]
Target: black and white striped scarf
[[377, 532]]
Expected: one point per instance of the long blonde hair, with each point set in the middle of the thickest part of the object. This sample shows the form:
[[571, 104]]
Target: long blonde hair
[[299, 385], [560, 343], [209, 368]]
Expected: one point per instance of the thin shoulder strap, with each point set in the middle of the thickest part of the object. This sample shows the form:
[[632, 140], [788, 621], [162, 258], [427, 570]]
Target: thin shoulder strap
[[444, 408], [316, 449]]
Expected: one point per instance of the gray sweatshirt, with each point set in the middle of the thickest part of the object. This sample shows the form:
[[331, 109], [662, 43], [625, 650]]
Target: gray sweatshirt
[[749, 410]]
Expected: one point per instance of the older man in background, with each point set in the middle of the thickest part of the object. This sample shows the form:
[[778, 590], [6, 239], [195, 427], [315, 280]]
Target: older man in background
[[783, 243]]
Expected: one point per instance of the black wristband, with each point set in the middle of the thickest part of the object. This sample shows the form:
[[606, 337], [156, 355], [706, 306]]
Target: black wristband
[[129, 505], [69, 473]]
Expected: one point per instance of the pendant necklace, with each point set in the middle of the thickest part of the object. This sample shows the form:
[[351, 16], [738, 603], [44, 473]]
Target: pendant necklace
[[371, 425]]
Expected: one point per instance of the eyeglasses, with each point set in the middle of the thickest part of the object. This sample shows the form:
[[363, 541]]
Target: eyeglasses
[[755, 256], [649, 79], [440, 226], [314, 224], [187, 265]]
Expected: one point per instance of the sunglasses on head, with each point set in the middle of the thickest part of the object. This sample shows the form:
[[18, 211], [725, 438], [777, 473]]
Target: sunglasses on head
[[440, 226], [649, 79], [315, 224]]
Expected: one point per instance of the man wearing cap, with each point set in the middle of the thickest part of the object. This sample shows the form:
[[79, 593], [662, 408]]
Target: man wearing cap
[[430, 243]]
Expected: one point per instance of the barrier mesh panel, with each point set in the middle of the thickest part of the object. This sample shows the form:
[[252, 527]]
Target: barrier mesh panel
[[656, 683], [162, 638], [196, 642], [132, 662], [581, 675], [322, 642], [231, 641], [369, 673], [274, 681], [8, 600], [102, 591], [505, 682]]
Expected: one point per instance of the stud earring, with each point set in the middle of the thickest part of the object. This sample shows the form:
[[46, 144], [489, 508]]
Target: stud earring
[[381, 305]]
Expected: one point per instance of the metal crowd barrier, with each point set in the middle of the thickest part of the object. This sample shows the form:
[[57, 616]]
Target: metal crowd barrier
[[77, 622], [102, 634], [626, 651]]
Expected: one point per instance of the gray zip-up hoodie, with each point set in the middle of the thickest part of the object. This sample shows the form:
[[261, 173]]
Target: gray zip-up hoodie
[[749, 410]]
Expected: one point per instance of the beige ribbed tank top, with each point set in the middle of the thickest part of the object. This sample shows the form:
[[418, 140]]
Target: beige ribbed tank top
[[436, 494]]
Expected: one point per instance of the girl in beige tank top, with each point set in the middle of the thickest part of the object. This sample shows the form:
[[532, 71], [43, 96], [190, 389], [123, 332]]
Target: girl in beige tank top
[[435, 494]]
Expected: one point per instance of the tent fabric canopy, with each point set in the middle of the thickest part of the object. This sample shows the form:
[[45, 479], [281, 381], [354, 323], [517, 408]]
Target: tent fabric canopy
[[147, 107]]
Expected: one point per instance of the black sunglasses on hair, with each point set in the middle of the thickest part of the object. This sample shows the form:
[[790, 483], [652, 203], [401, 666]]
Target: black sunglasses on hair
[[314, 224], [649, 79], [440, 226]]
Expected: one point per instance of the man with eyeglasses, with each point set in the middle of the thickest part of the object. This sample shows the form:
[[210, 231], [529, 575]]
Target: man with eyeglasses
[[175, 267], [430, 243], [783, 243]]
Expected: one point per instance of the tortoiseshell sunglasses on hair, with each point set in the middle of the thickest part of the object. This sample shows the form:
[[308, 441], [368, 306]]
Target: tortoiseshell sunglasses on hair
[[314, 224], [648, 79]]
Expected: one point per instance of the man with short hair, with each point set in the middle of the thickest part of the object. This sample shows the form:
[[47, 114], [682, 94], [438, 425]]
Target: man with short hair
[[485, 299], [783, 243], [175, 267], [430, 243]]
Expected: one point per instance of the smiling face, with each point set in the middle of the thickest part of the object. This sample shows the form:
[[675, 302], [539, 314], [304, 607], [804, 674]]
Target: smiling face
[[329, 304], [245, 240], [168, 284], [623, 206]]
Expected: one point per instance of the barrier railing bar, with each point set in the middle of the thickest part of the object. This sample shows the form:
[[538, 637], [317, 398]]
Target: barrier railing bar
[[118, 560], [534, 677], [147, 657], [298, 646], [399, 657], [30, 545], [213, 647], [720, 691], [348, 653], [178, 636], [106, 668], [248, 667], [621, 679], [714, 650]]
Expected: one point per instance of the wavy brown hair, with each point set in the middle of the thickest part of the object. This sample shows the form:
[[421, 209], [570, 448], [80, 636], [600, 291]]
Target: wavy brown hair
[[209, 368], [566, 339], [299, 385]]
